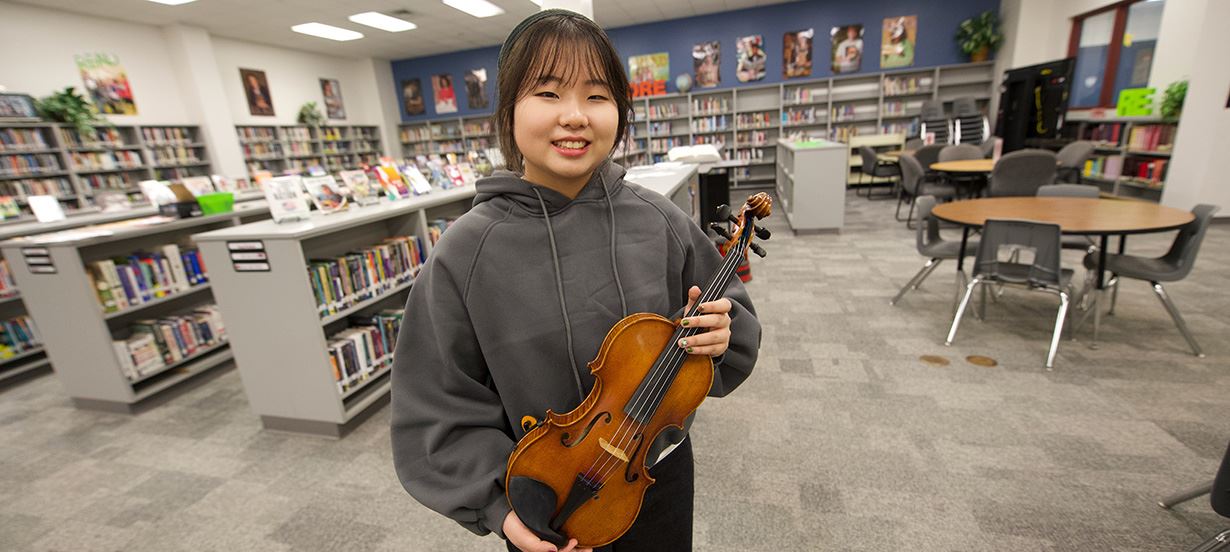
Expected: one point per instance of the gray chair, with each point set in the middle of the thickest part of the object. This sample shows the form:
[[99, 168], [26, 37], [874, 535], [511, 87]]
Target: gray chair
[[913, 144], [929, 155], [930, 245], [914, 184], [1080, 243], [969, 125], [875, 168], [1021, 173], [987, 147], [1044, 274], [1219, 498], [1072, 159], [1175, 265], [962, 152], [933, 119]]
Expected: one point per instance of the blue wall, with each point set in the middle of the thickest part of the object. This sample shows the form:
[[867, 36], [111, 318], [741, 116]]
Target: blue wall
[[937, 24]]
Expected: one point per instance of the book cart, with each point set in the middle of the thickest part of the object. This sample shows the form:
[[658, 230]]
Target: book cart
[[279, 334], [78, 333]]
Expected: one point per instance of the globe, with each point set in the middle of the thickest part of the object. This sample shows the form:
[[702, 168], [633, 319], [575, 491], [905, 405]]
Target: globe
[[683, 82]]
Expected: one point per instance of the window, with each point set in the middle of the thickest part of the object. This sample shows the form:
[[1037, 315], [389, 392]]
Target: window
[[1113, 47]]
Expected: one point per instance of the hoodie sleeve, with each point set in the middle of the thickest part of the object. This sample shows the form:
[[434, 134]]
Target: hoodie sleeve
[[450, 436], [735, 365]]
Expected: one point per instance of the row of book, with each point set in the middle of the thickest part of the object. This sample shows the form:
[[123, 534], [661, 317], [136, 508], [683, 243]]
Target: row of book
[[301, 148], [166, 135], [661, 128], [349, 146], [261, 150], [8, 286], [105, 161], [804, 95], [115, 181], [661, 111], [253, 135], [415, 134], [436, 228], [21, 139], [442, 132], [476, 128], [28, 163], [340, 283], [754, 120], [1152, 137], [755, 155], [803, 116], [297, 133], [18, 335], [663, 145], [753, 138], [122, 283], [849, 112], [895, 108], [906, 85], [712, 105], [910, 128], [711, 123], [365, 349], [1104, 133], [60, 187], [156, 343], [174, 155], [717, 140], [842, 133], [100, 138]]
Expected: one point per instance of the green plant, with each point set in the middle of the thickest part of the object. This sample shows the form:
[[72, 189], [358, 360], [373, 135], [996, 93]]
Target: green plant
[[310, 115], [1172, 101], [978, 32], [69, 107]]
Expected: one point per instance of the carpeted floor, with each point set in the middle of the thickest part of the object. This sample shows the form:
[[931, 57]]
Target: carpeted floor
[[843, 439]]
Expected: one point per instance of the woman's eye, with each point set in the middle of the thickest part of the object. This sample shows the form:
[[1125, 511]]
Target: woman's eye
[[598, 97], [548, 94]]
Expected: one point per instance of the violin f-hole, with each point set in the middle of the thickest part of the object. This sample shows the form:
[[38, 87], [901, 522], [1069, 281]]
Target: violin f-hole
[[629, 476], [563, 439]]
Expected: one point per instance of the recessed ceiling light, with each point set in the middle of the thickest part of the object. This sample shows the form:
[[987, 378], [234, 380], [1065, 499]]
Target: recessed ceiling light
[[327, 31], [477, 8], [383, 22], [172, 2]]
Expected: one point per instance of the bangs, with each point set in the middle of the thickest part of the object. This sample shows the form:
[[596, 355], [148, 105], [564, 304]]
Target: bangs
[[571, 58]]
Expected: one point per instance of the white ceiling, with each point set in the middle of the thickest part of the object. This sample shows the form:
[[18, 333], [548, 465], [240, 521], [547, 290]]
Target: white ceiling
[[440, 28]]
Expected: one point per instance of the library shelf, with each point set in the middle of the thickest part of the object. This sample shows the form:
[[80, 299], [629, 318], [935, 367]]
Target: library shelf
[[156, 301], [181, 362], [391, 291], [22, 355], [9, 372]]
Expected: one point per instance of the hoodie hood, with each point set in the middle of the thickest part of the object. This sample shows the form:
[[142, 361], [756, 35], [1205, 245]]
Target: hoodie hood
[[521, 191]]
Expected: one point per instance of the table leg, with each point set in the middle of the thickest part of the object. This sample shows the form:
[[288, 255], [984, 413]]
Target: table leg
[[1097, 300], [961, 269], [1114, 290]]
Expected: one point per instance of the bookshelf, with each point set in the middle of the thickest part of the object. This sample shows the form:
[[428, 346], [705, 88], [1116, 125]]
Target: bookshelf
[[280, 329], [1131, 156], [447, 135], [296, 148], [79, 332], [810, 192], [53, 159]]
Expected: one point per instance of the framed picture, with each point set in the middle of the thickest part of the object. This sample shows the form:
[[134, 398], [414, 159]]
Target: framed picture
[[17, 107], [706, 61], [412, 97], [107, 83], [256, 88], [476, 88], [444, 94], [796, 53], [897, 42], [847, 48], [332, 91], [751, 57]]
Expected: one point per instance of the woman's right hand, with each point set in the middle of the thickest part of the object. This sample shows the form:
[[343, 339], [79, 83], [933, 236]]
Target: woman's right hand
[[526, 541]]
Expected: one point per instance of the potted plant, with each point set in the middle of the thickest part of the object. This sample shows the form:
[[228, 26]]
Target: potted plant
[[70, 108], [978, 36], [1172, 101], [310, 115]]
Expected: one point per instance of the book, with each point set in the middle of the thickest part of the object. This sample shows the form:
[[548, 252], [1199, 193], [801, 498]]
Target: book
[[286, 198], [325, 193]]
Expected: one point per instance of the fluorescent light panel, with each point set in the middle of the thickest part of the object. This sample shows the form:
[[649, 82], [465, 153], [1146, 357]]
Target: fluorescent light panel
[[172, 2], [477, 8], [327, 31], [383, 22]]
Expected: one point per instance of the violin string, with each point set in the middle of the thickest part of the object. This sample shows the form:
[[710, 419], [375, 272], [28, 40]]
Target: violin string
[[662, 372]]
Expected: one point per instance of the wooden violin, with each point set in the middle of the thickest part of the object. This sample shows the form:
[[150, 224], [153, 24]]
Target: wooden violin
[[582, 474]]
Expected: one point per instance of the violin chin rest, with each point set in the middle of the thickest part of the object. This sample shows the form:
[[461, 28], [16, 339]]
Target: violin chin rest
[[534, 502]]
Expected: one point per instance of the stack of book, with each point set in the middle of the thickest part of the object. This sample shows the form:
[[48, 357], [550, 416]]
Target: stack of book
[[1151, 138], [156, 343], [340, 283], [365, 349], [1104, 134], [17, 139], [8, 286], [17, 336], [142, 277], [1109, 167], [1148, 171]]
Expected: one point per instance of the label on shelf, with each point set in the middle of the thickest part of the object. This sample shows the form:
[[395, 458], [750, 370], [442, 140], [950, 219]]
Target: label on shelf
[[248, 256]]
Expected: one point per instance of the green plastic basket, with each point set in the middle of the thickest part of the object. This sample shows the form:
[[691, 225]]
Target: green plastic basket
[[220, 202]]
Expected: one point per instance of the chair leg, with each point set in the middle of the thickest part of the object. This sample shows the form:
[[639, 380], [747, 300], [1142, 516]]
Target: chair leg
[[1178, 318], [1186, 495], [909, 220], [956, 319], [1218, 543], [1063, 311], [1114, 293], [917, 279]]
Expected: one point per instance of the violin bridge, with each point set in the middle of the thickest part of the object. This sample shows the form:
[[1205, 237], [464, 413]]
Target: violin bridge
[[613, 450]]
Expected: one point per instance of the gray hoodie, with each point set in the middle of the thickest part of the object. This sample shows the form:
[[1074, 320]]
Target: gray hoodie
[[509, 310]]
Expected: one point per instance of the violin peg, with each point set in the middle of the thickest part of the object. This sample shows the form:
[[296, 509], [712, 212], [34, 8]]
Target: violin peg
[[723, 211], [733, 219], [762, 233], [720, 229], [758, 250]]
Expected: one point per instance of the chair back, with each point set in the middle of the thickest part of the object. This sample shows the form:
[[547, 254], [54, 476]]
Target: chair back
[[935, 121], [1043, 238], [969, 126], [928, 155], [1070, 190], [913, 144], [911, 172], [1220, 495], [988, 148], [928, 228], [869, 160], [965, 106], [1182, 254], [1074, 155], [1021, 173], [960, 152]]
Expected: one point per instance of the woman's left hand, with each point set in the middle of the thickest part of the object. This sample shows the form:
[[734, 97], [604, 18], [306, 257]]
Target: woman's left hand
[[715, 317]]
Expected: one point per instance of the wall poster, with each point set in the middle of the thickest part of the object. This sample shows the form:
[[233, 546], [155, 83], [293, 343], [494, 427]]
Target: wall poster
[[442, 91], [750, 63], [897, 42], [648, 73], [256, 88], [706, 62], [107, 83], [412, 97], [476, 88], [847, 48], [796, 53], [332, 91]]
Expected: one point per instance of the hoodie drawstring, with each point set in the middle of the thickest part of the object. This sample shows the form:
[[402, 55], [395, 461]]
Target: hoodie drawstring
[[559, 286], [623, 303]]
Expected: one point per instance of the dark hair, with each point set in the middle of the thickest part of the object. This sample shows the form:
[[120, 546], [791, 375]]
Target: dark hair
[[561, 44]]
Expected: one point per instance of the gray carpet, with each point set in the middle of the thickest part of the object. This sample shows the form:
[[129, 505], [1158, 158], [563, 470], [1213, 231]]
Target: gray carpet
[[843, 439]]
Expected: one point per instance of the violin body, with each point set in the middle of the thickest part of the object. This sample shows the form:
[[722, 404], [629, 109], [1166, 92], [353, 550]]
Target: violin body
[[599, 440]]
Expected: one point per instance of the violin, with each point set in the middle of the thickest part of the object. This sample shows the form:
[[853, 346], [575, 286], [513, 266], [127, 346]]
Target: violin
[[582, 474]]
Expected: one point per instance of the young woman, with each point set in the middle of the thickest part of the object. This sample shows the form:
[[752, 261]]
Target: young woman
[[520, 292]]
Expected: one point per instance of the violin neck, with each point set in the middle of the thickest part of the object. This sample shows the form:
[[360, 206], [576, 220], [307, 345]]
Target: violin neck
[[720, 281]]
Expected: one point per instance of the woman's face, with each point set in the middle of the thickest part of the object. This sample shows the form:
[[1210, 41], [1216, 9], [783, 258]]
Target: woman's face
[[565, 130]]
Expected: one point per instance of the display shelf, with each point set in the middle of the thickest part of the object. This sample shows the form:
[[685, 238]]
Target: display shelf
[[77, 334], [9, 372], [20, 356], [376, 376], [181, 362], [339, 315], [1129, 143]]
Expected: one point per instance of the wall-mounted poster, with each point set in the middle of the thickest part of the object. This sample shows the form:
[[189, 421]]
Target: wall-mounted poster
[[796, 53], [847, 48], [107, 83], [897, 43], [648, 73], [476, 88], [751, 56], [412, 97], [256, 88], [706, 59], [442, 91], [332, 91]]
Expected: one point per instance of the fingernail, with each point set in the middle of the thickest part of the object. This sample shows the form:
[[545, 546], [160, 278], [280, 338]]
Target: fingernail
[[683, 343], [689, 350], [685, 322], [700, 309]]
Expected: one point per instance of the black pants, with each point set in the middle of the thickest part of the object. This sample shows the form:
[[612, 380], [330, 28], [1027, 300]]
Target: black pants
[[665, 521]]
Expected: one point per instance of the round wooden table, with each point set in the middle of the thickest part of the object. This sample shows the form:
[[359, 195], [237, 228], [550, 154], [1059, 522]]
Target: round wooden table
[[1075, 216], [891, 155], [964, 166]]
